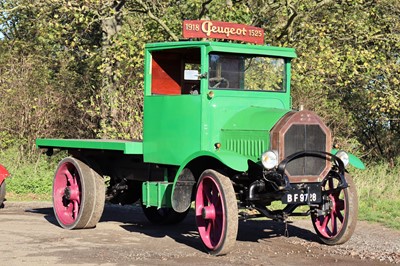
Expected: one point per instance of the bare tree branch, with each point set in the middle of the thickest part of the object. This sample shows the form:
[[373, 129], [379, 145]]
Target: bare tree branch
[[159, 21], [289, 23], [295, 16], [204, 8]]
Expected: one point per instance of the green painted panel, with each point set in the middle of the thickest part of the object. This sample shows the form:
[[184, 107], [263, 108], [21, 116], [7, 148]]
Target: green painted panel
[[172, 128], [157, 194], [234, 160], [248, 112], [255, 118], [250, 144], [127, 147], [248, 132]]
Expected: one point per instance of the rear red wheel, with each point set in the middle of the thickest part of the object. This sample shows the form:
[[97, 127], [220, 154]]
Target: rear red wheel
[[78, 195], [335, 220], [216, 212]]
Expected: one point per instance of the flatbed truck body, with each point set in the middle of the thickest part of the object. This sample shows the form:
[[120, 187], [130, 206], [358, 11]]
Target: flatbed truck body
[[218, 130]]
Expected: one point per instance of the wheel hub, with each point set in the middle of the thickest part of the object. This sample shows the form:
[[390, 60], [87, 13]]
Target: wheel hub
[[208, 213], [67, 193], [71, 193]]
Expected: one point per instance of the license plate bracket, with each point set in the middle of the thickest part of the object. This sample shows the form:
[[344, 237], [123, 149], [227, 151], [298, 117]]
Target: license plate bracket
[[309, 193]]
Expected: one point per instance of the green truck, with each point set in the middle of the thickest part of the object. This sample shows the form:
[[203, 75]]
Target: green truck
[[219, 130]]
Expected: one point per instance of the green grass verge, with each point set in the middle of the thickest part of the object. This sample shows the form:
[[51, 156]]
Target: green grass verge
[[30, 180], [11, 196], [379, 194], [384, 211]]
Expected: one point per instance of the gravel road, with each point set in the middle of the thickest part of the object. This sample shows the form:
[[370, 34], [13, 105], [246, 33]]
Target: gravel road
[[30, 236]]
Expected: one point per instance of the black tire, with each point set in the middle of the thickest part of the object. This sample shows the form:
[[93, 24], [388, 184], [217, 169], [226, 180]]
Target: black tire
[[163, 216], [216, 212], [2, 193], [78, 195], [337, 226]]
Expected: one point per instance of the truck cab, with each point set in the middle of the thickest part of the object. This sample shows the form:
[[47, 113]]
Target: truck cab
[[199, 96]]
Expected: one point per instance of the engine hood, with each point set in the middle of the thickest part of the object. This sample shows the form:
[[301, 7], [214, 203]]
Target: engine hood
[[255, 119], [247, 133]]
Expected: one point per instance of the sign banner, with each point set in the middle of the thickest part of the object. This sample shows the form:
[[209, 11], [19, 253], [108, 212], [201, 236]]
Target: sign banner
[[222, 30]]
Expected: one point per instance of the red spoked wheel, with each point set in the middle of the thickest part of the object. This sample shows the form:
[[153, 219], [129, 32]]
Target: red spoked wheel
[[335, 219], [216, 212], [78, 195]]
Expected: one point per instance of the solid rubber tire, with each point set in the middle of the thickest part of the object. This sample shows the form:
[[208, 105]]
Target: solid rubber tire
[[230, 222], [92, 194], [350, 216]]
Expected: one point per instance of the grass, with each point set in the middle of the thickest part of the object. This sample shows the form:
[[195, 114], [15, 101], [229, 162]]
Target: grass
[[378, 187], [11, 196], [379, 194], [29, 180]]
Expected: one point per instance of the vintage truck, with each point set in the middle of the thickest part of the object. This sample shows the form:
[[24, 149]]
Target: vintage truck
[[218, 130], [3, 175]]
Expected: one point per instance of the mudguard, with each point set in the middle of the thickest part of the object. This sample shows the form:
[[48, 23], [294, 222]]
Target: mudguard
[[353, 160], [184, 180]]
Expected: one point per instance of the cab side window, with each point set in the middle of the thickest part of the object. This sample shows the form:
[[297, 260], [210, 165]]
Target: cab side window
[[175, 72]]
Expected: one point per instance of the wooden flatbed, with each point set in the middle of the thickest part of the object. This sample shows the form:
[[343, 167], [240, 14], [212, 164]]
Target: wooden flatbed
[[127, 147]]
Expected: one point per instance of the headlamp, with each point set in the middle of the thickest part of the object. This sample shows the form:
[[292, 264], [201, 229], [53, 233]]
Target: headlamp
[[343, 156], [269, 159]]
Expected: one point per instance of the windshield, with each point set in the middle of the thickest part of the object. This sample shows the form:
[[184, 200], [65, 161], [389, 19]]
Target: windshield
[[246, 72]]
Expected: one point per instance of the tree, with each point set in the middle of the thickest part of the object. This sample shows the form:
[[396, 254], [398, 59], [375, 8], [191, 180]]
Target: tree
[[91, 56]]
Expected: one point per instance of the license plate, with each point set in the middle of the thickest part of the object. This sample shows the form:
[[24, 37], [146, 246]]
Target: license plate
[[309, 194]]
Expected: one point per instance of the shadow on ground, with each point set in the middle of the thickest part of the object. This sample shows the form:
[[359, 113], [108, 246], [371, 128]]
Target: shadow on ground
[[133, 220]]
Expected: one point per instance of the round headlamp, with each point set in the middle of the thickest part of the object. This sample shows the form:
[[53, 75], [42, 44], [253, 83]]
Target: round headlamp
[[269, 159], [343, 156]]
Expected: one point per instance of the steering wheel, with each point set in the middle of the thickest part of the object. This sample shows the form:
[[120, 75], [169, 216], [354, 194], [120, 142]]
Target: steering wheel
[[220, 82]]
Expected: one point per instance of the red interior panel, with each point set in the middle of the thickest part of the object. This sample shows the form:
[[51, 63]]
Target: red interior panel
[[166, 74]]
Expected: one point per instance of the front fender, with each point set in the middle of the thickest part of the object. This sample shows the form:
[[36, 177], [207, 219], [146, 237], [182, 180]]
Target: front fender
[[184, 180], [231, 159], [353, 160]]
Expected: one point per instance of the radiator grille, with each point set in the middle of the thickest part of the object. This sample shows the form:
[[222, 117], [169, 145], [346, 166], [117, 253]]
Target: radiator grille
[[247, 147], [305, 138]]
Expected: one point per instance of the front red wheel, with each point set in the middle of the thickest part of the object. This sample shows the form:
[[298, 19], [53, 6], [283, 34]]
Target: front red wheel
[[335, 220], [216, 212], [78, 195]]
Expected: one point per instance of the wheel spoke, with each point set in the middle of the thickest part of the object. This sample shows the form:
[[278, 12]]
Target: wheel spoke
[[340, 216], [325, 221], [69, 176], [68, 211], [75, 208], [75, 193], [333, 224], [215, 194], [207, 193]]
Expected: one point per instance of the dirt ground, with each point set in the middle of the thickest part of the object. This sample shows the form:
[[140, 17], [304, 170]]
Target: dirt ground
[[30, 236]]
